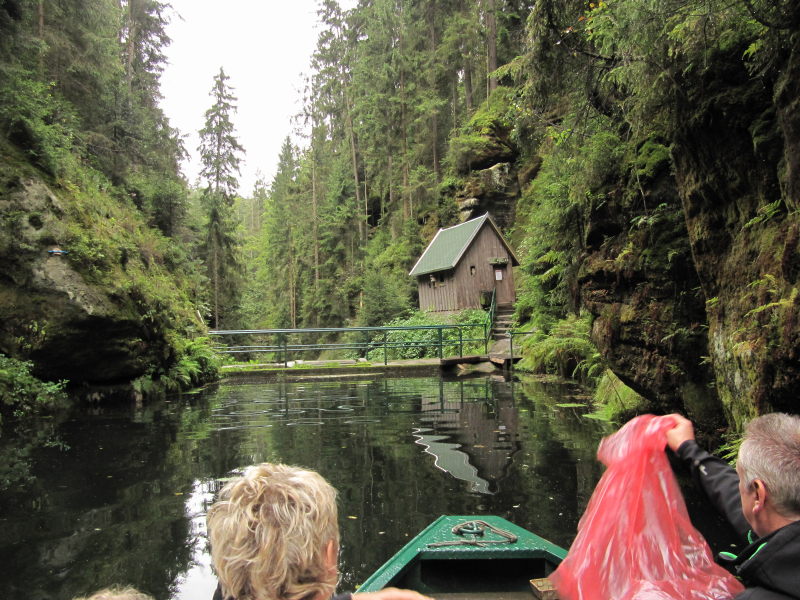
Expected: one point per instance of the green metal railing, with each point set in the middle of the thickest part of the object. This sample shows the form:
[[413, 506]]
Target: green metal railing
[[283, 343], [490, 317]]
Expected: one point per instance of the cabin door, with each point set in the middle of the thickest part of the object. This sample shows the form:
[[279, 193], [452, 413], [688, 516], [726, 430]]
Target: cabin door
[[504, 293]]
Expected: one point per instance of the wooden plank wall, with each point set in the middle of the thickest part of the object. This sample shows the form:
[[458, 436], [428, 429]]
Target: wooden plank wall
[[461, 287]]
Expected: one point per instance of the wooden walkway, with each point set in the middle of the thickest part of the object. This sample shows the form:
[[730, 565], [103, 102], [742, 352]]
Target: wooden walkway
[[500, 359]]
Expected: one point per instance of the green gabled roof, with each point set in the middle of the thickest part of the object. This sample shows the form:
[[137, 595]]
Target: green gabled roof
[[448, 246]]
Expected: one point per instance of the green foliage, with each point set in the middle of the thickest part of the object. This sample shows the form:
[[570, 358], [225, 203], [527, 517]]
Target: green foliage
[[23, 395], [162, 198], [23, 398], [729, 449], [382, 301], [219, 148], [765, 213], [34, 117], [196, 363], [421, 343], [495, 115], [651, 158], [565, 350]]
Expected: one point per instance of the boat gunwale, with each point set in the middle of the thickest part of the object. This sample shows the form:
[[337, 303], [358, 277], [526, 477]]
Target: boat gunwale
[[416, 550]]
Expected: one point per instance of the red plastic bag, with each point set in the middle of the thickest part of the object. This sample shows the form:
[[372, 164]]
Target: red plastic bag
[[635, 539]]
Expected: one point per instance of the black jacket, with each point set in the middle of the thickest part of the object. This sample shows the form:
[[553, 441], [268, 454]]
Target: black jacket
[[347, 596], [769, 567]]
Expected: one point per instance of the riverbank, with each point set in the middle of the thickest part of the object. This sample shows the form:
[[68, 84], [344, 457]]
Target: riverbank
[[331, 369]]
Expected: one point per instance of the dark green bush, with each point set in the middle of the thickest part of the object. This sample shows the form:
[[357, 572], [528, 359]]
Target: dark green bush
[[22, 394], [422, 343]]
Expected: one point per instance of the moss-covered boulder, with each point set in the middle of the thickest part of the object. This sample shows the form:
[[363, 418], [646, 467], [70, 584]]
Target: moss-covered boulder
[[494, 190], [486, 139]]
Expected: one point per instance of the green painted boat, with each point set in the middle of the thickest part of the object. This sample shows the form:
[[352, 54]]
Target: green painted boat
[[462, 557]]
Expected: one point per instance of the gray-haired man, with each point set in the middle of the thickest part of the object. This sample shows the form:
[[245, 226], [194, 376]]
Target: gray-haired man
[[760, 498]]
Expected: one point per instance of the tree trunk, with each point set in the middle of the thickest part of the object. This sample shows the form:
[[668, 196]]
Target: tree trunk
[[454, 99], [491, 45], [468, 98], [434, 139], [293, 293], [314, 224], [390, 178], [215, 269], [130, 45], [354, 158], [407, 209]]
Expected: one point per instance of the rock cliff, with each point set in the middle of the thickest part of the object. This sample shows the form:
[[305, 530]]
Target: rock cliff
[[694, 283], [84, 292]]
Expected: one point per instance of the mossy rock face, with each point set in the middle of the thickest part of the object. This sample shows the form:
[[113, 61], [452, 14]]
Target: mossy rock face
[[697, 298], [787, 106], [485, 140], [476, 151], [639, 282], [494, 190], [76, 312], [730, 156]]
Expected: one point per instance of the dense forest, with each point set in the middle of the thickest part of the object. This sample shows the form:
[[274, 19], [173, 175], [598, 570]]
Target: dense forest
[[641, 156]]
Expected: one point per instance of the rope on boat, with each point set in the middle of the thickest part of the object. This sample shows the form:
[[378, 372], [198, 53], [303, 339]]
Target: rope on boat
[[476, 528]]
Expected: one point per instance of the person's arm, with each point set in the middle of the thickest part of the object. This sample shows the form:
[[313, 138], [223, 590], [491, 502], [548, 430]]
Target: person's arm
[[391, 594], [714, 476]]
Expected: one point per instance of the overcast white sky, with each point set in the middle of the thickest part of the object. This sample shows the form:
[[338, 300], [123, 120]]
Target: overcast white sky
[[265, 47]]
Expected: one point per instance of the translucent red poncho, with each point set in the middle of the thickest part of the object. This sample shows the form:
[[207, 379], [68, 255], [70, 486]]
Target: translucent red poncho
[[635, 539]]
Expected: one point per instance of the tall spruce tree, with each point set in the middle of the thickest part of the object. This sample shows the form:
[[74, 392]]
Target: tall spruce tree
[[219, 153], [219, 148]]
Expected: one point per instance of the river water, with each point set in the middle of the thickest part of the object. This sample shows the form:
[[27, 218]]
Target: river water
[[118, 494]]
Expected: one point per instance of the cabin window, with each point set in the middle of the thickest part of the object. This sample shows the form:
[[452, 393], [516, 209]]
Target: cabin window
[[472, 270], [440, 277]]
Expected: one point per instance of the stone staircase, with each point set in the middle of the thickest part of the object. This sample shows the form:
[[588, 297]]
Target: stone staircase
[[503, 315]]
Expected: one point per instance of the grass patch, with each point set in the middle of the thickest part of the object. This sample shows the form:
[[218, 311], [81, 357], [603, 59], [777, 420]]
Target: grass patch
[[614, 400]]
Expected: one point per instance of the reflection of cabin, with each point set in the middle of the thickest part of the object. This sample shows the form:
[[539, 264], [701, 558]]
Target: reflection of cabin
[[461, 263], [474, 439]]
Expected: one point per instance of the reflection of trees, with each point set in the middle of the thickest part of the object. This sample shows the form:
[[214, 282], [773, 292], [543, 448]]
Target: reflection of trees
[[108, 510]]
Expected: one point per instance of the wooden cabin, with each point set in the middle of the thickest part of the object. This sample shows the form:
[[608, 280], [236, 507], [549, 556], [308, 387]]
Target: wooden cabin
[[463, 264]]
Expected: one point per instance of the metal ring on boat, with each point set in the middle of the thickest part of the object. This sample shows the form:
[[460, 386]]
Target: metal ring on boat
[[476, 528]]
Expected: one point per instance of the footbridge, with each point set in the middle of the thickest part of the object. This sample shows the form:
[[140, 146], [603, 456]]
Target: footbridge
[[374, 344]]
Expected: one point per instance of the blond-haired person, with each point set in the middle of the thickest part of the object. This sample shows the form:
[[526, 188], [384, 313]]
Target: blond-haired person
[[274, 535], [118, 593]]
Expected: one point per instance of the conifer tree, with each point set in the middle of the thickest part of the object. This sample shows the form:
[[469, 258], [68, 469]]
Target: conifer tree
[[219, 153], [219, 148]]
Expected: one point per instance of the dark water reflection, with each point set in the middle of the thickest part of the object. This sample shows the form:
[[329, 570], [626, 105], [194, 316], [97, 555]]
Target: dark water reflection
[[123, 499]]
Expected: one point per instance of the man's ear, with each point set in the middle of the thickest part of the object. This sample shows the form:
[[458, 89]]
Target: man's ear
[[760, 491], [331, 555]]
